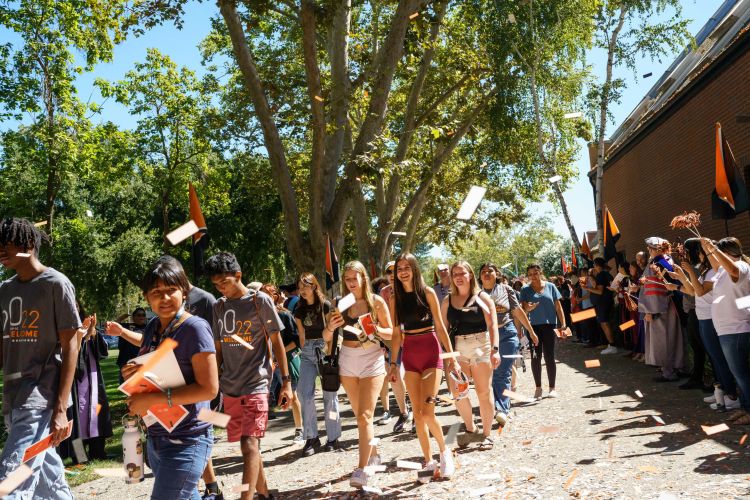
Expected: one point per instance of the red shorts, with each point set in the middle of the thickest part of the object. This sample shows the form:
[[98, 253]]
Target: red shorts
[[249, 416]]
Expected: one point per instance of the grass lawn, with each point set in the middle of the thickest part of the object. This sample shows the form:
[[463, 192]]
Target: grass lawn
[[83, 473]]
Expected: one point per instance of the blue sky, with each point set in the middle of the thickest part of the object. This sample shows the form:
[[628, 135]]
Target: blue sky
[[181, 46]]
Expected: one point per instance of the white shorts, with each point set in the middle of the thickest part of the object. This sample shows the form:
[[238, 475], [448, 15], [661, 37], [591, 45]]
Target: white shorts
[[361, 362], [474, 348]]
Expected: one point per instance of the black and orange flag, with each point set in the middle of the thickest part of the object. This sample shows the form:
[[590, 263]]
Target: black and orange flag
[[574, 257], [332, 264], [200, 239], [585, 250], [611, 234], [730, 196]]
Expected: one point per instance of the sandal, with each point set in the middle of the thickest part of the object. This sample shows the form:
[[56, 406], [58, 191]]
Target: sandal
[[488, 443]]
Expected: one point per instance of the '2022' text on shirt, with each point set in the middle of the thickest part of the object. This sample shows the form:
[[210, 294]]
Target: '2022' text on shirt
[[251, 317], [32, 313]]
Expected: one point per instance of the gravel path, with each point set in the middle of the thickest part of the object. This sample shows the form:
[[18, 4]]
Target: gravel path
[[601, 441]]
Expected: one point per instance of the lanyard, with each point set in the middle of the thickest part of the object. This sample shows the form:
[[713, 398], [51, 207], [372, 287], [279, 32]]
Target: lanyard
[[168, 330]]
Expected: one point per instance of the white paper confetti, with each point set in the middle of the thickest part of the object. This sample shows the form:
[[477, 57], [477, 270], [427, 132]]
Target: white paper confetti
[[658, 420], [743, 302], [639, 394], [346, 302], [406, 464], [213, 417], [575, 114], [15, 479], [183, 232], [472, 201], [554, 179]]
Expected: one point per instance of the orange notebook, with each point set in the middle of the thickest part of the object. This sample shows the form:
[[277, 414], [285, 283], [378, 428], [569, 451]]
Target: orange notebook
[[168, 417], [42, 445]]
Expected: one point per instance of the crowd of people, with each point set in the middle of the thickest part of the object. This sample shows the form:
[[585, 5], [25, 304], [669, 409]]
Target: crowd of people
[[260, 347]]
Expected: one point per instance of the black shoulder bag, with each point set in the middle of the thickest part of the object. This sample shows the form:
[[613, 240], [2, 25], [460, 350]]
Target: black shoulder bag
[[328, 366]]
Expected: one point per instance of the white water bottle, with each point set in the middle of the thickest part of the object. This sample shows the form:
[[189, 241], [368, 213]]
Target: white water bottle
[[132, 451]]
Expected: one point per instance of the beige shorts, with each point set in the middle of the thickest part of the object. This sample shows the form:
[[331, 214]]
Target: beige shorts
[[361, 362], [474, 348]]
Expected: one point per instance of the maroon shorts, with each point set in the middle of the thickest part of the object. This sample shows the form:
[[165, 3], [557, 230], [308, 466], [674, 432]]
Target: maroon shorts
[[249, 416], [421, 352]]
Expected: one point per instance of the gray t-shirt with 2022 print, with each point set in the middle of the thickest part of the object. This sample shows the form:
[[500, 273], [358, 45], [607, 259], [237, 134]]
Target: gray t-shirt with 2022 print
[[251, 317], [31, 315]]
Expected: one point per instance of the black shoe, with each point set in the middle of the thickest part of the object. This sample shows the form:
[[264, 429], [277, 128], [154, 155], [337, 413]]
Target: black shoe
[[399, 425], [662, 378], [691, 384], [310, 446], [331, 445]]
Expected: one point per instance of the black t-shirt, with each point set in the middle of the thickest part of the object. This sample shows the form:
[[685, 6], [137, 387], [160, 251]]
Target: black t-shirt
[[311, 318], [605, 299], [201, 303]]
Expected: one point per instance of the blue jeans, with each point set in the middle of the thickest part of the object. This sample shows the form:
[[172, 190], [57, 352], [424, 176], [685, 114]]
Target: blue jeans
[[308, 374], [177, 464], [26, 427], [713, 348], [501, 376], [736, 349]]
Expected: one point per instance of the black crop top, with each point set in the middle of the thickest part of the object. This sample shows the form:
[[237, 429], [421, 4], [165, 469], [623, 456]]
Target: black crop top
[[467, 319], [413, 315], [349, 321]]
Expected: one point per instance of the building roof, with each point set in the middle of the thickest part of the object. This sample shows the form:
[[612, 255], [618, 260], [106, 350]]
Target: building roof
[[724, 29]]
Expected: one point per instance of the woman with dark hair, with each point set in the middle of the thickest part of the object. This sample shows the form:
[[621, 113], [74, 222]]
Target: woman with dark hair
[[661, 322], [361, 362], [697, 277], [731, 322], [310, 316], [507, 309], [177, 458], [419, 328], [290, 338], [470, 314], [541, 300]]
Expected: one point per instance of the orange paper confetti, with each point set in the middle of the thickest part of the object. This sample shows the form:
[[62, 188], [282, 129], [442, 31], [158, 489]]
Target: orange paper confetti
[[626, 325], [414, 16], [743, 439], [571, 479], [98, 408], [318, 98], [592, 363], [583, 315]]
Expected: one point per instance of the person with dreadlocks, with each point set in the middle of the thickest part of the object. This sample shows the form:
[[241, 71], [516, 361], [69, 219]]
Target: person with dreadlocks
[[39, 354]]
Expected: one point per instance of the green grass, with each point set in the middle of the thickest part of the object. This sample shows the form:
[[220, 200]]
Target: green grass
[[84, 473]]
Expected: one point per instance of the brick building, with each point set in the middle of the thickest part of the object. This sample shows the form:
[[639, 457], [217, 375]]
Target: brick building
[[660, 161]]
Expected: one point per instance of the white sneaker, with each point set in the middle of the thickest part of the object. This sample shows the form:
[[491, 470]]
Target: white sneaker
[[501, 418], [358, 479], [553, 394], [447, 467], [428, 471], [709, 399], [610, 350], [731, 404]]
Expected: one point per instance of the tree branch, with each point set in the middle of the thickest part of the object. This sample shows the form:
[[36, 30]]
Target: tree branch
[[272, 140]]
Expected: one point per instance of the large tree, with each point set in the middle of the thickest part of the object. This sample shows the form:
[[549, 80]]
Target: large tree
[[628, 30], [38, 68], [545, 43]]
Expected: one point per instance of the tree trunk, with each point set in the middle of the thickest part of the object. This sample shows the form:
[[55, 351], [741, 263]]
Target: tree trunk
[[550, 164], [302, 254], [603, 106]]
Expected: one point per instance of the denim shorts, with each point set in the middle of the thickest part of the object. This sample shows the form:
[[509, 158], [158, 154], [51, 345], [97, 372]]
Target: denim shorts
[[177, 464]]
